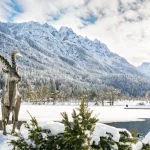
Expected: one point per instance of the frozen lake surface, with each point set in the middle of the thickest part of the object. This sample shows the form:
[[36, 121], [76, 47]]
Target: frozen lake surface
[[105, 114]]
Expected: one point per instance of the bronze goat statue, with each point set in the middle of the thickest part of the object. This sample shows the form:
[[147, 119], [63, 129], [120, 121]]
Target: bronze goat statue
[[11, 99]]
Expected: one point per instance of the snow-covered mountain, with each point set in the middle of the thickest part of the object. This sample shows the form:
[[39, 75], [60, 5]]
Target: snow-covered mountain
[[145, 68], [49, 53]]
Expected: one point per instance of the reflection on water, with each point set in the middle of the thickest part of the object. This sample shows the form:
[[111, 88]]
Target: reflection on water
[[142, 127]]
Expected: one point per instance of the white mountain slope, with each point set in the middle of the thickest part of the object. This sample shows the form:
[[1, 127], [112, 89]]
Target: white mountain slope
[[144, 68], [62, 54]]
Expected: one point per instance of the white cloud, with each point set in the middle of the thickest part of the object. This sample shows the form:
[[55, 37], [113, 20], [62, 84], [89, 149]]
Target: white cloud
[[69, 21], [123, 25], [43, 10], [35, 10], [5, 10]]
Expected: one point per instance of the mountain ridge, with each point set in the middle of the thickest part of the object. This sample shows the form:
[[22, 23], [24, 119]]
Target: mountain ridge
[[144, 68], [62, 54]]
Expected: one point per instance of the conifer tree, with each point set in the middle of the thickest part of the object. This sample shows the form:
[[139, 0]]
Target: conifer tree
[[77, 136], [146, 147], [38, 139]]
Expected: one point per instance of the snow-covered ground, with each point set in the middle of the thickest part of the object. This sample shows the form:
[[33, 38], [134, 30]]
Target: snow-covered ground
[[105, 113], [115, 113], [100, 130]]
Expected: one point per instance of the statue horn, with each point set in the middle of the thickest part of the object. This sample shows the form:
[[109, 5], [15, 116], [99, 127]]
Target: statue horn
[[5, 70], [5, 62], [13, 58]]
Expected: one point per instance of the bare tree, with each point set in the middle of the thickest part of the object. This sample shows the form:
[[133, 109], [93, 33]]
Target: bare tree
[[109, 93], [147, 96]]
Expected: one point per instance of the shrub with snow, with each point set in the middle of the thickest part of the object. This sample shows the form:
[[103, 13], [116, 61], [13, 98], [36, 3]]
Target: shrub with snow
[[83, 134]]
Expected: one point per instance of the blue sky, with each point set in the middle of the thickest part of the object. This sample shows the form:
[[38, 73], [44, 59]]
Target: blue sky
[[17, 9], [15, 6], [123, 25]]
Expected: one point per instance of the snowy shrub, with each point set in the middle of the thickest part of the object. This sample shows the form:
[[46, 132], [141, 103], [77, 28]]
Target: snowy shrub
[[108, 141], [78, 136], [84, 133], [34, 137], [146, 142], [75, 136]]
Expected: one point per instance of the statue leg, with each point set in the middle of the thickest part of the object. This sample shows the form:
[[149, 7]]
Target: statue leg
[[16, 114], [14, 126], [4, 126], [14, 121], [5, 117]]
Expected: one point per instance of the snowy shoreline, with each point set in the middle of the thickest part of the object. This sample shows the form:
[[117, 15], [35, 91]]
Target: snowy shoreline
[[105, 114]]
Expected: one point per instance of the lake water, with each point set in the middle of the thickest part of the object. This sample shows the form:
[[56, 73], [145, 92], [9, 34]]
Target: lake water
[[142, 127]]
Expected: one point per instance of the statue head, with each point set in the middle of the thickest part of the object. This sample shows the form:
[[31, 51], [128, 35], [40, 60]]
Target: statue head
[[11, 69]]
